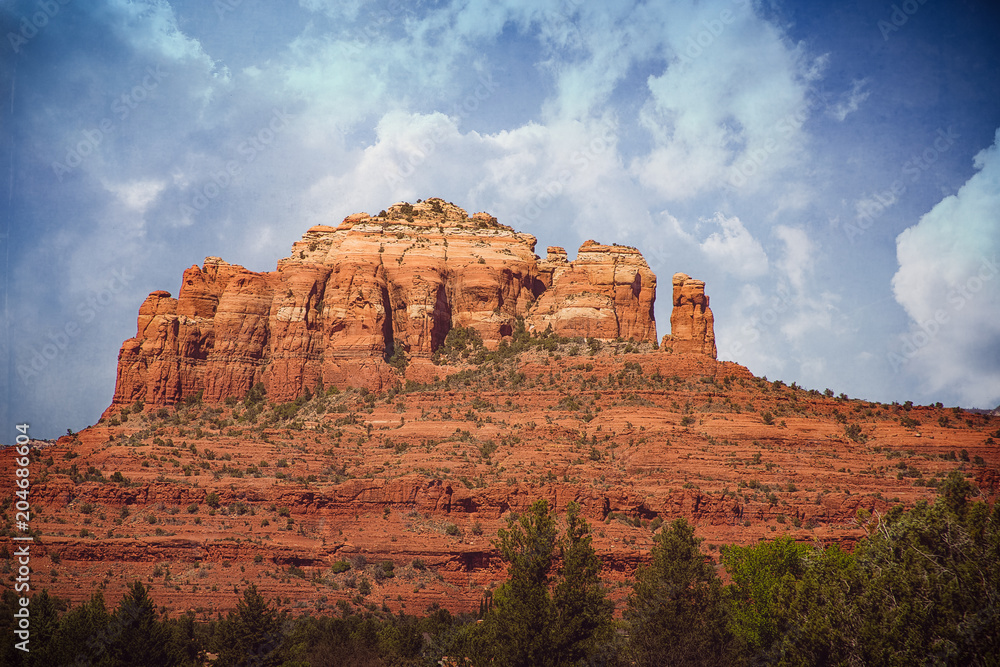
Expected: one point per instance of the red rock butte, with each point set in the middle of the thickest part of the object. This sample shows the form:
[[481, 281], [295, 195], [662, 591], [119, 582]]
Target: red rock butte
[[423, 461], [350, 296]]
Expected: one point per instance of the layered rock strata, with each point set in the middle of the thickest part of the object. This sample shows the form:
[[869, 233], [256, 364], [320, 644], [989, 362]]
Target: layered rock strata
[[351, 296], [607, 293]]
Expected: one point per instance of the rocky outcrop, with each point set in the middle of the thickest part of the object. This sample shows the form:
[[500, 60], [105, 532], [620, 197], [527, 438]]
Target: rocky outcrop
[[607, 293], [350, 297], [692, 325]]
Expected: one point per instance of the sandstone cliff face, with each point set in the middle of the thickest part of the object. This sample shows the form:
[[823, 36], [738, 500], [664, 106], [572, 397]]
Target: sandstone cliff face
[[350, 296], [607, 293], [692, 325]]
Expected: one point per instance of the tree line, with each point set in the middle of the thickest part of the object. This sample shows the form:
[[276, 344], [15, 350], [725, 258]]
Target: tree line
[[922, 588]]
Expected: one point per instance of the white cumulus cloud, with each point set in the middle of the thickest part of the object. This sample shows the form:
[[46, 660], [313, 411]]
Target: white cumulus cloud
[[797, 259], [729, 107], [733, 248], [949, 283]]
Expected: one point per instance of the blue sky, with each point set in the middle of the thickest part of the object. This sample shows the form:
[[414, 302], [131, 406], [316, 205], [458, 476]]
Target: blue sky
[[831, 170]]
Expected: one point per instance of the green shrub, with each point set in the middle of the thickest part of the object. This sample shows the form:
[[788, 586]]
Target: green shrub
[[396, 357], [853, 431], [255, 395]]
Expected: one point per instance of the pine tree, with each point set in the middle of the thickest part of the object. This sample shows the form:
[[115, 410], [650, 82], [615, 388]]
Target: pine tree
[[251, 635], [83, 633], [536, 619], [932, 580], [138, 636], [582, 612], [517, 629], [676, 613], [182, 642]]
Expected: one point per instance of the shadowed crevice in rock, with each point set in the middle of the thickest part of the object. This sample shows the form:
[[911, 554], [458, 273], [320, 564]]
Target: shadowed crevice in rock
[[387, 326]]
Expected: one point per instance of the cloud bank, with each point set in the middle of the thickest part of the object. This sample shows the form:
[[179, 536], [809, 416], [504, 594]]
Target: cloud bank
[[949, 283]]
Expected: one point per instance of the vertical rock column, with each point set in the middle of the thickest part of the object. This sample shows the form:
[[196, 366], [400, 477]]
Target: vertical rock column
[[692, 329]]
